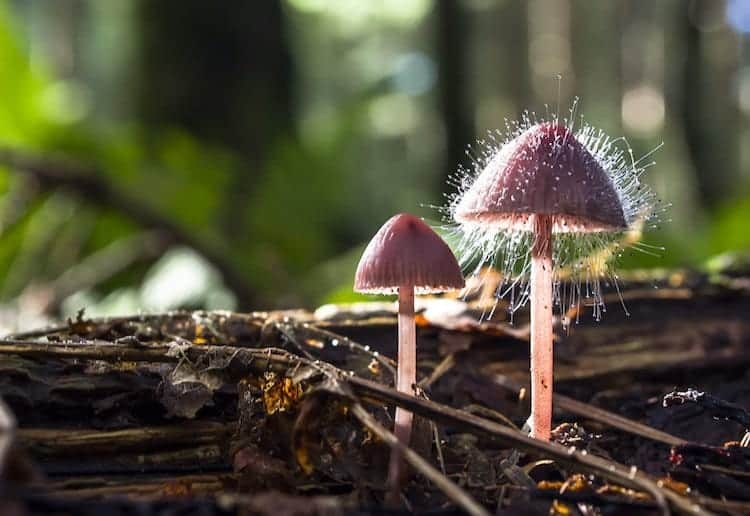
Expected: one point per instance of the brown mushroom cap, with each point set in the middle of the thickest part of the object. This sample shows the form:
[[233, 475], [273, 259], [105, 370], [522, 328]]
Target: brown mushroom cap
[[406, 251], [545, 170]]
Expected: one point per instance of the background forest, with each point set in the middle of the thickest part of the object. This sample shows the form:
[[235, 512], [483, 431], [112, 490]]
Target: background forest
[[235, 154]]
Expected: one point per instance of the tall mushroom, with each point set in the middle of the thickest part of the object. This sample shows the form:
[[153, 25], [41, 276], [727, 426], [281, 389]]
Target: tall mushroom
[[406, 257], [548, 181]]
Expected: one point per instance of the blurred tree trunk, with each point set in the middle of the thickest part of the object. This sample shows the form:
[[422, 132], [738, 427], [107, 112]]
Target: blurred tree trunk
[[456, 105], [597, 68], [516, 41], [707, 103], [223, 71]]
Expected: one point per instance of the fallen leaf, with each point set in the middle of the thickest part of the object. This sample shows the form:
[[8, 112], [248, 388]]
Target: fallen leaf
[[279, 394]]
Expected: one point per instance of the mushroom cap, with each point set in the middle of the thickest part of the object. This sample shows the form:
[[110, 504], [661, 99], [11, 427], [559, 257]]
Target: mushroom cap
[[545, 170], [407, 252]]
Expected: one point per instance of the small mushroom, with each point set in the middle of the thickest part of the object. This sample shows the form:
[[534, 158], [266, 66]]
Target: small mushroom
[[544, 181], [406, 257]]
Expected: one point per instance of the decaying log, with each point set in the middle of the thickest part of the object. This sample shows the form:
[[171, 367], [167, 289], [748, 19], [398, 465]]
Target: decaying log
[[209, 406]]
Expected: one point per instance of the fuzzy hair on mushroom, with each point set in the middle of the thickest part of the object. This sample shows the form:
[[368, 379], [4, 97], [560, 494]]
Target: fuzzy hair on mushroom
[[584, 248]]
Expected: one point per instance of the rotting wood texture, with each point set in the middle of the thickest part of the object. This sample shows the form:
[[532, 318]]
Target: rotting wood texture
[[209, 412]]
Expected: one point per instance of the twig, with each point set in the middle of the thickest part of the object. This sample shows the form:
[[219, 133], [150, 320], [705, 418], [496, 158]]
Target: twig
[[290, 328], [443, 367], [488, 413], [460, 497], [438, 446], [605, 417], [86, 183], [716, 407]]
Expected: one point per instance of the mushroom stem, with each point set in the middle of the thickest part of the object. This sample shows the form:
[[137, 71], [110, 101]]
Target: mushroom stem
[[541, 328], [406, 377]]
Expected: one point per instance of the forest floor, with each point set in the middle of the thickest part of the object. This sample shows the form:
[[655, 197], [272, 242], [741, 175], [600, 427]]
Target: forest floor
[[199, 413]]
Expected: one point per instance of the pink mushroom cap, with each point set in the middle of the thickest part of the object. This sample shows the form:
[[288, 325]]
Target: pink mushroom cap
[[544, 170], [407, 252]]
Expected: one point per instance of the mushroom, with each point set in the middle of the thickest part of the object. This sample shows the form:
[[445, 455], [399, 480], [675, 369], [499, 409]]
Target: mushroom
[[546, 181], [406, 257]]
